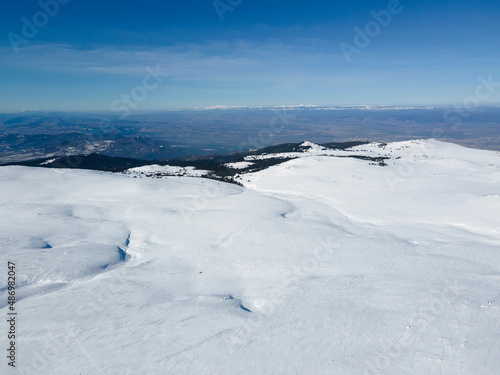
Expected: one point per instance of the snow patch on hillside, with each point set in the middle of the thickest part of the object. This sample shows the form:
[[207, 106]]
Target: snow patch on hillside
[[239, 165], [165, 170]]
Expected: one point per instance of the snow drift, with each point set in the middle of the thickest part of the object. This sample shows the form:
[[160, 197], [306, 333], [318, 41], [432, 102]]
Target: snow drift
[[324, 264]]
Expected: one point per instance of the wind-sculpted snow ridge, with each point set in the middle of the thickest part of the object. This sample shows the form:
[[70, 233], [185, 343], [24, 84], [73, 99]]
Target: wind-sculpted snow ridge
[[321, 263]]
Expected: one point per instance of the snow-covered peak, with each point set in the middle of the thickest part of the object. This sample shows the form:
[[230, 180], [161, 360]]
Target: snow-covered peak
[[307, 144]]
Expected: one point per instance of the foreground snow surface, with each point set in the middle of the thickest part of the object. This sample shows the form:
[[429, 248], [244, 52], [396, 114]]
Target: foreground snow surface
[[320, 265]]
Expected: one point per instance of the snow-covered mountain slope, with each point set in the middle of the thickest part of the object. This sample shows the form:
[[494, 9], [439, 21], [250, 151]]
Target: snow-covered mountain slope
[[318, 265], [423, 182]]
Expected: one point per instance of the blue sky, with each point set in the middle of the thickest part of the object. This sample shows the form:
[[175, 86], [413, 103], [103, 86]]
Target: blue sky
[[87, 54]]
